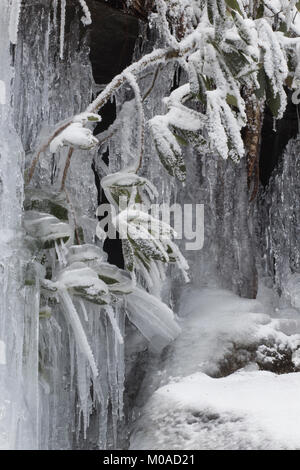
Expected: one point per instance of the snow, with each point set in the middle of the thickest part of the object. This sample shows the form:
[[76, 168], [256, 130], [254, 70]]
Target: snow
[[274, 61], [244, 411], [191, 408], [82, 279], [217, 324], [74, 135], [86, 19]]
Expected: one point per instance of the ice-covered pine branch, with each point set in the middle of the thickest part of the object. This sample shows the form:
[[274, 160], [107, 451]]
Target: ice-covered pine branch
[[240, 49], [147, 242], [224, 51]]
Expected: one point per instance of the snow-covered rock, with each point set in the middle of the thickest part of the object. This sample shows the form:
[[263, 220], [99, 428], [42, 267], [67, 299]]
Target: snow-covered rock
[[246, 410], [208, 391], [222, 333]]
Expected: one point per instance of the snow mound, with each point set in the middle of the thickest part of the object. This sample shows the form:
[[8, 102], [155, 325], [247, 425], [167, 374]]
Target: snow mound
[[246, 410], [222, 332], [207, 389]]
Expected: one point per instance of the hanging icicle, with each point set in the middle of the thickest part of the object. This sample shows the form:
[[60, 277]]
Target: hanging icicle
[[62, 27], [14, 20]]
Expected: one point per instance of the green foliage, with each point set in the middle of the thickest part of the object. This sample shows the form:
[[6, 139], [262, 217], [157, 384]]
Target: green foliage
[[234, 5]]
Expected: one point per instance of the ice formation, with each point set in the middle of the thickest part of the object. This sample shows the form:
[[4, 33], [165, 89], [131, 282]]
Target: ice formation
[[15, 11], [66, 313]]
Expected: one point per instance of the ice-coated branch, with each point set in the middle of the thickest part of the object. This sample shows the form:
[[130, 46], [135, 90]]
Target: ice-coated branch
[[153, 83], [162, 23], [44, 148], [68, 161], [139, 104], [86, 19], [186, 46], [71, 132], [79, 333]]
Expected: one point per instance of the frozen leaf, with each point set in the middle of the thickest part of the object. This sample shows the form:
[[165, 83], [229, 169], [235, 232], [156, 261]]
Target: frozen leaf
[[85, 253], [83, 281], [153, 318], [46, 227]]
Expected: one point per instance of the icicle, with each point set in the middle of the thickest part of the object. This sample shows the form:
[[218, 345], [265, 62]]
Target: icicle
[[86, 19], [2, 353], [81, 302], [64, 251], [58, 252], [14, 21], [2, 92], [55, 12], [83, 390], [298, 118], [62, 27], [61, 253], [141, 118], [78, 330], [119, 349], [110, 313], [274, 124]]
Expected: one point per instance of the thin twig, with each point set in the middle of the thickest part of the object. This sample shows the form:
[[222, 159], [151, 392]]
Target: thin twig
[[74, 218], [142, 146], [159, 55], [68, 161], [152, 84], [139, 105], [43, 149], [107, 137]]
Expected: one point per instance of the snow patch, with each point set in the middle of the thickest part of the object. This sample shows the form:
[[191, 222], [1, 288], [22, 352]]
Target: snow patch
[[246, 410]]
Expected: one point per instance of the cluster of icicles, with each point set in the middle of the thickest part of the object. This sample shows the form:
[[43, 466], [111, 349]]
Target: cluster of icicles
[[15, 18]]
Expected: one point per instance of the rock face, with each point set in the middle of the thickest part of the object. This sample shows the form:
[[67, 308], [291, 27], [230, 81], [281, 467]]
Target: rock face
[[279, 208], [113, 34]]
